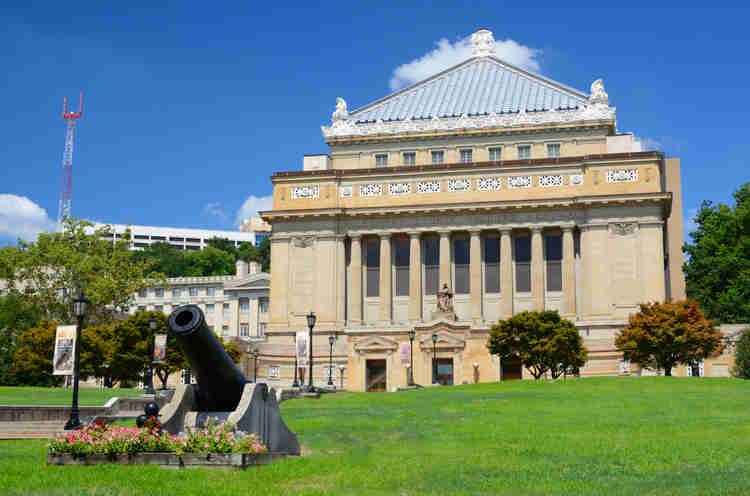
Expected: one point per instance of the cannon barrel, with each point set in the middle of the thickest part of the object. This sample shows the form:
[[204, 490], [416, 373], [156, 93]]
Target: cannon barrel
[[220, 382]]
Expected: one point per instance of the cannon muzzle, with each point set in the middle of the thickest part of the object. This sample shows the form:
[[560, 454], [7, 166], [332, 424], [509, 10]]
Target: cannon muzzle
[[220, 382]]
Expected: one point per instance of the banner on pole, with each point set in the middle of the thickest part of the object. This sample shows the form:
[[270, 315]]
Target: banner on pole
[[160, 348], [405, 353], [301, 349], [65, 341]]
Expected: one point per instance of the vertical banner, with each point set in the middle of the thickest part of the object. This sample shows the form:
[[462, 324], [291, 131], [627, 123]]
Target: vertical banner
[[405, 354], [65, 340], [302, 349], [160, 348]]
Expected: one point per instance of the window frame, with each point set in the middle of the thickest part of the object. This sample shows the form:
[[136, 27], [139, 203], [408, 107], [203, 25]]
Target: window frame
[[378, 156], [412, 154], [434, 153], [469, 151], [524, 147], [490, 149], [559, 148]]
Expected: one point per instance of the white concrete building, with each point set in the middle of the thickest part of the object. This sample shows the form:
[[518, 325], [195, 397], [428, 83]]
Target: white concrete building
[[180, 237]]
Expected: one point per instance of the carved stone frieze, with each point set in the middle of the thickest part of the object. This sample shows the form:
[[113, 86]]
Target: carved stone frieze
[[303, 241], [622, 228], [622, 175], [547, 181], [305, 192], [457, 185], [489, 183], [519, 182]]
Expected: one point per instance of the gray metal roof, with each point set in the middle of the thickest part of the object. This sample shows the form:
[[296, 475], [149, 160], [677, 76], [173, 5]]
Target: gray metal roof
[[481, 85]]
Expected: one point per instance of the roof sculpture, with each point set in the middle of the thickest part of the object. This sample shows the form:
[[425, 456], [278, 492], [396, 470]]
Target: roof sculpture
[[481, 92]]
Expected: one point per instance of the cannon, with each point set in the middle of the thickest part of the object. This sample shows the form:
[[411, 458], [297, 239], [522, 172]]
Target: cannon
[[222, 392]]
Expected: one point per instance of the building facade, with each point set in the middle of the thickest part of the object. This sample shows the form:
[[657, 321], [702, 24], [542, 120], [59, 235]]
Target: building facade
[[182, 238], [512, 190]]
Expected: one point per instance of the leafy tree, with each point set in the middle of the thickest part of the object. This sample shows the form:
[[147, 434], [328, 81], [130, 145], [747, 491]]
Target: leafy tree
[[717, 270], [57, 267], [209, 261], [543, 341], [662, 335], [32, 361], [742, 355], [223, 244], [164, 258], [247, 252], [16, 315], [264, 254]]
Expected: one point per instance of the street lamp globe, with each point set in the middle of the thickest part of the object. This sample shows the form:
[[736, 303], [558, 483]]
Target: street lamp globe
[[152, 324], [434, 338], [80, 306], [331, 340], [412, 333], [311, 318]]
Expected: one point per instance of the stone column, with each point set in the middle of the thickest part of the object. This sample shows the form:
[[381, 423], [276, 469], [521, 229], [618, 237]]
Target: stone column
[[340, 273], [506, 275], [475, 274], [445, 259], [537, 269], [415, 277], [385, 278], [568, 273], [355, 282]]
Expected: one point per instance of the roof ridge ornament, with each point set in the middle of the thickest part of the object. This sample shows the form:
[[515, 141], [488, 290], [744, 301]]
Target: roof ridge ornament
[[482, 43], [598, 95], [341, 113]]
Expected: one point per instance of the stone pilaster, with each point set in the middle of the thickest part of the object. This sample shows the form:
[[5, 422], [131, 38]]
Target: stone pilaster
[[355, 281], [340, 274], [445, 259], [568, 273], [537, 269], [506, 275], [279, 292], [386, 302], [415, 277], [475, 274]]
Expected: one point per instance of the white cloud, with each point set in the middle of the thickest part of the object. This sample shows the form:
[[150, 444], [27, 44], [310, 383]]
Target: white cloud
[[448, 54], [22, 218], [215, 210], [688, 224], [649, 144], [252, 206]]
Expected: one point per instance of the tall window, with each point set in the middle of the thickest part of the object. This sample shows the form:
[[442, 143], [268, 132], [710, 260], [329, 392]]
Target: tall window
[[244, 305], [224, 331], [491, 265], [524, 151], [225, 310], [372, 262], [381, 160], [142, 293], [466, 156], [410, 158], [431, 248], [210, 291], [402, 267], [553, 150], [437, 157], [209, 309], [461, 259], [263, 305], [523, 264], [176, 292], [553, 252], [193, 291], [262, 329], [496, 153], [244, 330], [159, 292]]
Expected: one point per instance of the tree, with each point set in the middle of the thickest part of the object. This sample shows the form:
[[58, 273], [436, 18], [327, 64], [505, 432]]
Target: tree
[[264, 254], [16, 315], [57, 267], [742, 355], [662, 335], [248, 252], [32, 361], [209, 261], [163, 258], [717, 269], [543, 341], [223, 244]]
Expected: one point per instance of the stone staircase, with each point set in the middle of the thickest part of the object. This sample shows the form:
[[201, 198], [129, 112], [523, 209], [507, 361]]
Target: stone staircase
[[30, 430]]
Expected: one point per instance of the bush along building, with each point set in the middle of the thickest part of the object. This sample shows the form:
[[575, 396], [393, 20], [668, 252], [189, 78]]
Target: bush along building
[[502, 188]]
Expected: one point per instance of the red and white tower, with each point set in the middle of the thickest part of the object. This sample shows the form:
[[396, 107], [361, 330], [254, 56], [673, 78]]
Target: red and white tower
[[67, 164]]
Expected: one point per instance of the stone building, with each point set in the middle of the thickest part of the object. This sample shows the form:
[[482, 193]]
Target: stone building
[[516, 191]]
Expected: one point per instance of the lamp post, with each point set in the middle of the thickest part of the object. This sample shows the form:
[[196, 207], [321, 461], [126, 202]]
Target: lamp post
[[412, 333], [434, 358], [311, 318], [80, 305], [255, 365], [295, 384], [331, 340], [341, 374], [152, 324]]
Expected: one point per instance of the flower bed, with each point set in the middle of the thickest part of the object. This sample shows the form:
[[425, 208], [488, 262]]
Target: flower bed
[[115, 440]]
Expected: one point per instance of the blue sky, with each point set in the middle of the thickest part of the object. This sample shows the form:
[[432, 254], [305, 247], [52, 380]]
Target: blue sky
[[191, 106]]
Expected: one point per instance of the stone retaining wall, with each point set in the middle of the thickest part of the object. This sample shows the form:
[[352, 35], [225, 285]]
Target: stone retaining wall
[[115, 407]]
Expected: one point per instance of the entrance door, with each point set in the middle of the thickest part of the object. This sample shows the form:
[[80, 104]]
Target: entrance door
[[445, 371], [376, 376], [511, 369]]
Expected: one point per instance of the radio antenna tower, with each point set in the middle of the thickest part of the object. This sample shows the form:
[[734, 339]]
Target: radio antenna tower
[[63, 210]]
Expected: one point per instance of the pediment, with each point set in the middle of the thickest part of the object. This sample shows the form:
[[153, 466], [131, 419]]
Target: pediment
[[374, 344], [254, 281], [446, 340]]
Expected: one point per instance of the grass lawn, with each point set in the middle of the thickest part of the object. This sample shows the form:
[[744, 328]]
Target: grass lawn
[[61, 396], [603, 436]]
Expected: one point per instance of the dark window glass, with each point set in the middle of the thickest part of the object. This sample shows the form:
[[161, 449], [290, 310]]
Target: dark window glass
[[492, 265], [372, 261], [402, 267], [553, 251], [431, 249], [461, 260], [523, 264]]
